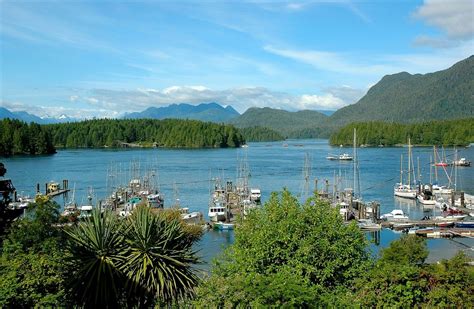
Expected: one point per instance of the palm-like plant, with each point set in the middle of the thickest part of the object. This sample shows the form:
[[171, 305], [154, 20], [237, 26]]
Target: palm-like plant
[[158, 257], [95, 245]]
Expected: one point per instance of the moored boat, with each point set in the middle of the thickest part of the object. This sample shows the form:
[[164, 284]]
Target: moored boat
[[223, 226], [395, 215], [465, 224]]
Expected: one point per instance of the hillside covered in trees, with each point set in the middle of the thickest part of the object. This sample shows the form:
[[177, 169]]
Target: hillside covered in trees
[[288, 124], [260, 134], [405, 98], [162, 133], [448, 132], [17, 137]]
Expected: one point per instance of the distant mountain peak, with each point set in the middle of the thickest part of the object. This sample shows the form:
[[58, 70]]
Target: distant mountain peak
[[211, 111]]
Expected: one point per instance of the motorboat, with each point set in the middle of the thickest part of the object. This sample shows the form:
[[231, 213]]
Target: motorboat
[[395, 215], [155, 200], [426, 197], [462, 162], [224, 226], [368, 225], [465, 224], [217, 211], [341, 157]]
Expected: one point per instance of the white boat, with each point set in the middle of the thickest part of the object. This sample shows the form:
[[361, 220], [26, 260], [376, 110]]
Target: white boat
[[342, 157], [426, 197], [395, 215], [462, 162], [368, 225], [86, 211], [217, 212], [405, 190], [441, 190], [155, 200], [190, 217], [450, 218], [255, 195], [402, 225], [223, 226]]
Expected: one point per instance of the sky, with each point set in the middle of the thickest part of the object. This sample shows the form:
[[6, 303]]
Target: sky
[[105, 58]]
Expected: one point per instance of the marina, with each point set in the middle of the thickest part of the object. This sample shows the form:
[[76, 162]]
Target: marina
[[269, 169]]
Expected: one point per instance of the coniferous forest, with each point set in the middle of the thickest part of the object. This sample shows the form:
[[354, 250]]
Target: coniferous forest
[[459, 132], [20, 138]]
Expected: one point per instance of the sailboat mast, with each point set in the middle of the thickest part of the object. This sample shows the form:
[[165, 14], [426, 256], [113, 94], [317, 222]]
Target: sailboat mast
[[354, 154], [431, 170], [401, 169], [455, 168], [435, 166], [409, 163], [418, 169]]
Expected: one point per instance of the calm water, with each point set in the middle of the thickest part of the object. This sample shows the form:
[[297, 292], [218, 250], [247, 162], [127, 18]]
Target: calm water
[[272, 168]]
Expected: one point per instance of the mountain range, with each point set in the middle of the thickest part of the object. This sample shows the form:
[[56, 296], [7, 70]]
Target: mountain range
[[401, 97], [205, 112], [27, 117]]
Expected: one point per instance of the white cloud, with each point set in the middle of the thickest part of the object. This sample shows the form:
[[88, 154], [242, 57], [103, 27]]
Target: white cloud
[[240, 98], [331, 61], [454, 17], [455, 20]]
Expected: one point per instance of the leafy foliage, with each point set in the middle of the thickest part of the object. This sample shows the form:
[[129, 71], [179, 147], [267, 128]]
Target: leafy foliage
[[401, 279], [307, 244], [32, 268], [448, 132]]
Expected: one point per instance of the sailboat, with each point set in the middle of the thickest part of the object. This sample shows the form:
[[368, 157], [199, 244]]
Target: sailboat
[[401, 189]]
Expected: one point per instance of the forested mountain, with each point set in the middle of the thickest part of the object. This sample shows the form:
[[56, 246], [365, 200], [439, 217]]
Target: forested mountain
[[404, 98], [162, 133], [374, 133], [288, 124], [205, 112]]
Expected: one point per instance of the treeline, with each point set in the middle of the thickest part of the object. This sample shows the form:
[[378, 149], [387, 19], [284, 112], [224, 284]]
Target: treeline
[[448, 132], [17, 137], [260, 134], [163, 133]]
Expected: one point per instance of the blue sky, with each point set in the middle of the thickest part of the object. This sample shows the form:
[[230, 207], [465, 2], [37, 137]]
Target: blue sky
[[104, 58]]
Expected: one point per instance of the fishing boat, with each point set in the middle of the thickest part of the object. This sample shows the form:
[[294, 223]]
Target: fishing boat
[[395, 215], [462, 162], [155, 200], [255, 195], [85, 211], [401, 189], [190, 217], [465, 224], [223, 226], [217, 211]]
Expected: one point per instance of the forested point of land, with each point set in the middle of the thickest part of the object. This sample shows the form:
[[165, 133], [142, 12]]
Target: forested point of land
[[459, 132], [18, 137], [260, 134]]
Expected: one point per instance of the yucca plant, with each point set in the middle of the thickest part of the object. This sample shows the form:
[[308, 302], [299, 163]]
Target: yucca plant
[[95, 246], [158, 258]]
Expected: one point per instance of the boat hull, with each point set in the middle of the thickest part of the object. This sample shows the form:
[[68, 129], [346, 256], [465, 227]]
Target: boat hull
[[410, 194]]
